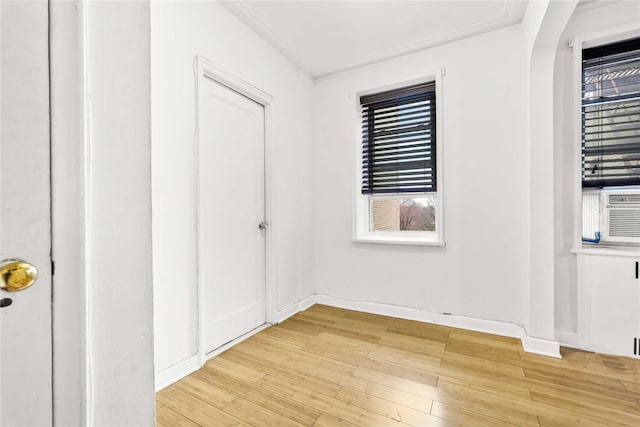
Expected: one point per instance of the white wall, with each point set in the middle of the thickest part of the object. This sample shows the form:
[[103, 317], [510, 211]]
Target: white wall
[[179, 31], [613, 16], [481, 271]]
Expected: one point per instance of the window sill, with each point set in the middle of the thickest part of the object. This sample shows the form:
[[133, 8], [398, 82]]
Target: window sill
[[398, 240], [625, 251]]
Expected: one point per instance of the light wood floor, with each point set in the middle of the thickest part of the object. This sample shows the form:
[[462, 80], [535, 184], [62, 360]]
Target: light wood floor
[[331, 367]]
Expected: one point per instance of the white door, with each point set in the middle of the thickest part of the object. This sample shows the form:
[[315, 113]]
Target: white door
[[232, 205], [25, 318]]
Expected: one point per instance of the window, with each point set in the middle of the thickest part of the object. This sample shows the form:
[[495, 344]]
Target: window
[[611, 115], [611, 143], [399, 179]]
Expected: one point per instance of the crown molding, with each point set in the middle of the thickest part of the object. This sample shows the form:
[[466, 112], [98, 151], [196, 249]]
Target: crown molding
[[245, 14]]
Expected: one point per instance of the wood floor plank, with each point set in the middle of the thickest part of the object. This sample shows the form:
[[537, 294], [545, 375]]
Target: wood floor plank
[[338, 341], [419, 403], [394, 381], [417, 345], [326, 420], [333, 406], [389, 409], [330, 367], [286, 375], [285, 335], [411, 360], [257, 415], [196, 410], [166, 416], [466, 418], [412, 328], [621, 418], [204, 391], [583, 390], [489, 366], [492, 341], [373, 319], [486, 402], [315, 329], [479, 350], [631, 386], [478, 379]]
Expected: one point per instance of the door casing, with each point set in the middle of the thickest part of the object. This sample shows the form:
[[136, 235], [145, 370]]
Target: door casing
[[205, 69]]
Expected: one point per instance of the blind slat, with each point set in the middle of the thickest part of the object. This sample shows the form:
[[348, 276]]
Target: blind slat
[[611, 115], [398, 141]]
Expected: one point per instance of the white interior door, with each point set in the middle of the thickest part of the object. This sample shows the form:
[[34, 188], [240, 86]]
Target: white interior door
[[25, 318], [232, 205]]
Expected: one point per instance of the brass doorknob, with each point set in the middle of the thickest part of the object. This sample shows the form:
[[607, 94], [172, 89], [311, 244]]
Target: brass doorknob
[[16, 275]]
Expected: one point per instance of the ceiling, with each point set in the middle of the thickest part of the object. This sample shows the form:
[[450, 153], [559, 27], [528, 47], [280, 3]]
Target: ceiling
[[326, 37]]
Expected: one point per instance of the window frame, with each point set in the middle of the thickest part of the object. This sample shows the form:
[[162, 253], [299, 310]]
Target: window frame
[[594, 110], [362, 213], [578, 44]]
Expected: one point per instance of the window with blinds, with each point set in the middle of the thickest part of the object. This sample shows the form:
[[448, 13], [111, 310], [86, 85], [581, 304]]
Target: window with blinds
[[399, 141], [611, 115]]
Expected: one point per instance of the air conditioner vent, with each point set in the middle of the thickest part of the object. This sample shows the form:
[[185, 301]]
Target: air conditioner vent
[[624, 199], [624, 222]]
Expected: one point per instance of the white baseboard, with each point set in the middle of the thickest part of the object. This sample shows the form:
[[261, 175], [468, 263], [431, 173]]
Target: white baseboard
[[531, 345], [294, 308], [541, 346], [176, 372], [571, 339], [230, 344]]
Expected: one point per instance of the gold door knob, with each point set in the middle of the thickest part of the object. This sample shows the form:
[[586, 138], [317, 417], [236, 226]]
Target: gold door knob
[[16, 275]]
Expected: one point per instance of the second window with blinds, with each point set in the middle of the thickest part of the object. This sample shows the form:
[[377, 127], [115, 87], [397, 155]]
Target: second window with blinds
[[399, 185]]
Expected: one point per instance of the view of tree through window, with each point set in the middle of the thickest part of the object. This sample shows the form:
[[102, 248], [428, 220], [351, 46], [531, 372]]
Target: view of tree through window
[[403, 214], [417, 216]]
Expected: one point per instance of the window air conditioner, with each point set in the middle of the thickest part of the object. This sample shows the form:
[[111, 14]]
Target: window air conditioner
[[620, 216]]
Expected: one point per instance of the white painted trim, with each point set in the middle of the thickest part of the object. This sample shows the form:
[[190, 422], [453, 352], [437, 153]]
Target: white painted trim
[[399, 240], [234, 342], [631, 252], [295, 308], [585, 6], [209, 70], [270, 244], [204, 68], [70, 139], [174, 373], [529, 344], [570, 339], [541, 346], [576, 150]]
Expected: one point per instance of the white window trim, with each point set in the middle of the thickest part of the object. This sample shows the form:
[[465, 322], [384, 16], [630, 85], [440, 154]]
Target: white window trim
[[579, 43], [361, 216]]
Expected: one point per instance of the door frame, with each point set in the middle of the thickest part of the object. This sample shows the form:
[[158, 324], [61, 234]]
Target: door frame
[[205, 69], [87, 67]]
